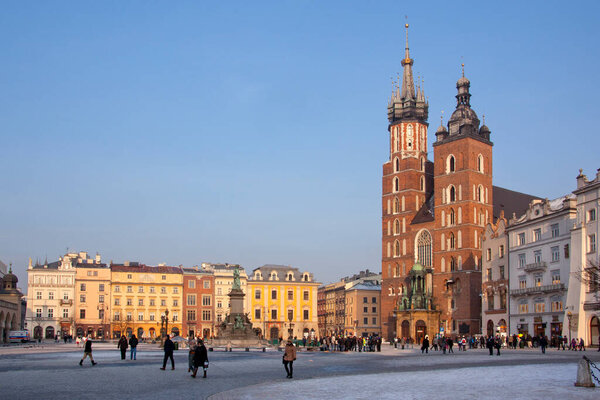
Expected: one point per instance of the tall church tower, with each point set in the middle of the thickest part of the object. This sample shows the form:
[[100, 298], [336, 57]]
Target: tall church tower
[[406, 186], [463, 206]]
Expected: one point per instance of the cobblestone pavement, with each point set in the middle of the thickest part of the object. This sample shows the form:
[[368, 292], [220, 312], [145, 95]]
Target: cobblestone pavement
[[27, 373]]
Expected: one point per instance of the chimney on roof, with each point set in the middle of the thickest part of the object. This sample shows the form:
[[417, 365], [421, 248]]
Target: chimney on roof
[[98, 258], [126, 263]]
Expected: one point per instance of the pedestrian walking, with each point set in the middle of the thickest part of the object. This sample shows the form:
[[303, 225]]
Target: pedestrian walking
[[498, 344], [168, 347], [425, 345], [450, 344], [192, 343], [490, 345], [581, 344], [543, 343], [122, 345], [289, 356], [87, 352], [200, 358], [133, 342]]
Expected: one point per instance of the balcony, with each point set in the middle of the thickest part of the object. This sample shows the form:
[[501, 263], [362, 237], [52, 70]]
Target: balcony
[[66, 302], [536, 266], [538, 289]]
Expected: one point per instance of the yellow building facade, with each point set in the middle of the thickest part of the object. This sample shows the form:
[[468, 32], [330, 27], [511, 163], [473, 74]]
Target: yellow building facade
[[92, 298], [145, 300], [282, 302]]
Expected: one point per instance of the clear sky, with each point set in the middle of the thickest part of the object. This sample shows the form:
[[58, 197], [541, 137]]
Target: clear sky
[[254, 132]]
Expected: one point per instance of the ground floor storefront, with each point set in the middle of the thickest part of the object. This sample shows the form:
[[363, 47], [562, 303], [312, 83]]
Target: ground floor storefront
[[144, 330], [414, 325]]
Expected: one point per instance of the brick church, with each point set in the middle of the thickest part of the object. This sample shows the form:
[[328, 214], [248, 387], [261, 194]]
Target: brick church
[[434, 213]]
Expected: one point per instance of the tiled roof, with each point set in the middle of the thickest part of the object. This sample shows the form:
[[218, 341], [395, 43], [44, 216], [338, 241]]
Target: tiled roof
[[510, 202], [145, 269]]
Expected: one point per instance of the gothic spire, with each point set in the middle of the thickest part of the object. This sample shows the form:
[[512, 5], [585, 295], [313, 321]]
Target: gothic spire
[[408, 84]]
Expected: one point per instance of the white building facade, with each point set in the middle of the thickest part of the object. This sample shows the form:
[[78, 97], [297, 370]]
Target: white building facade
[[494, 280], [583, 303], [539, 266]]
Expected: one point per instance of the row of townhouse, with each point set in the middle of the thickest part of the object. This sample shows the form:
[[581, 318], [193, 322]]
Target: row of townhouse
[[79, 295], [351, 306], [540, 270]]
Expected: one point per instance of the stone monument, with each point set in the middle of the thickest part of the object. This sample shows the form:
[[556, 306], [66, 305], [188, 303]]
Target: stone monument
[[236, 330]]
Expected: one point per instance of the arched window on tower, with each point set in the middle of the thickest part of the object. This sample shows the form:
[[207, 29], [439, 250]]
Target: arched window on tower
[[424, 249], [452, 194], [480, 163], [452, 264], [422, 183], [409, 137], [450, 164], [396, 205], [480, 194], [396, 248], [422, 164], [452, 241], [396, 164], [396, 227], [396, 184], [451, 216]]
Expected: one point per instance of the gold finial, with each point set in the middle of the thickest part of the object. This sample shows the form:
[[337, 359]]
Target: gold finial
[[463, 69]]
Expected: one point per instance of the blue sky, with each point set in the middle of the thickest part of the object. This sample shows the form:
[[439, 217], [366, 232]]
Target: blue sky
[[254, 132]]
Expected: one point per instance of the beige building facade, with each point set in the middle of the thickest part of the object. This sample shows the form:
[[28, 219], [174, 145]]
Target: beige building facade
[[363, 310], [223, 279], [92, 298]]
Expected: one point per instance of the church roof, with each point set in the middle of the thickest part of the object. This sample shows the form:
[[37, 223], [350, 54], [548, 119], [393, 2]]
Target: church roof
[[510, 202]]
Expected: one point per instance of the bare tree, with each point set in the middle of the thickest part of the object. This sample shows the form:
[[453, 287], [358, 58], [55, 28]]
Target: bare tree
[[590, 277]]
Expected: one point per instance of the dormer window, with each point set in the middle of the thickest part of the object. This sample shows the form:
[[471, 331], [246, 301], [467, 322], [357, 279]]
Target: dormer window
[[273, 276], [305, 277], [290, 276], [257, 275]]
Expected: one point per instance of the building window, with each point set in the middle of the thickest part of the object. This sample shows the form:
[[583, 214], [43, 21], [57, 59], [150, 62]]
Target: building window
[[501, 251], [488, 254], [523, 308], [290, 295], [592, 215], [164, 277], [556, 277], [51, 313], [274, 315], [374, 300], [554, 230], [82, 314], [424, 248], [151, 316], [396, 185], [305, 294], [452, 194], [101, 298], [38, 313], [502, 301], [366, 321], [374, 309], [592, 243], [557, 305], [163, 290], [537, 280], [191, 315], [501, 269], [521, 238], [219, 291], [140, 302], [129, 316], [206, 300], [117, 316], [38, 295], [365, 300], [522, 282], [396, 206], [50, 295], [537, 235], [129, 276], [274, 294], [257, 313], [191, 284], [191, 299], [175, 317], [480, 163], [374, 320], [101, 287], [521, 260], [175, 303], [65, 313], [305, 315], [555, 253], [451, 164], [152, 302], [175, 290], [489, 274], [82, 298], [537, 256], [82, 287], [163, 303], [117, 289], [206, 284], [365, 309], [152, 290], [540, 306], [117, 302], [129, 302], [290, 315], [140, 289], [129, 289]]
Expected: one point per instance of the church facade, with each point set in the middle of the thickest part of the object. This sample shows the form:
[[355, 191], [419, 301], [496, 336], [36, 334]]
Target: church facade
[[433, 213]]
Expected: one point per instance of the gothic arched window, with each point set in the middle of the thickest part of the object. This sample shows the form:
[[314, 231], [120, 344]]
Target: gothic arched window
[[396, 249], [452, 194], [396, 227], [452, 264], [424, 249], [396, 164], [450, 166], [452, 241], [480, 163], [396, 184], [396, 206], [451, 216]]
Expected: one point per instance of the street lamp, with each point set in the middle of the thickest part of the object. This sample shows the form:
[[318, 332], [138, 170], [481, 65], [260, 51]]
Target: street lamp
[[164, 327], [291, 329], [569, 315]]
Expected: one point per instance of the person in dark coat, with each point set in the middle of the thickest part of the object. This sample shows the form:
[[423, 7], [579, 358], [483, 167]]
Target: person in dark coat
[[543, 343], [133, 342], [490, 344], [122, 345], [498, 344], [87, 352], [289, 356], [450, 343], [169, 347], [425, 345], [200, 358]]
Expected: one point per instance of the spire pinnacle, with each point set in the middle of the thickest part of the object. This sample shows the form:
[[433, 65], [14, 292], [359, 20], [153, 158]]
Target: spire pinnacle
[[463, 69], [10, 268], [408, 84]]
